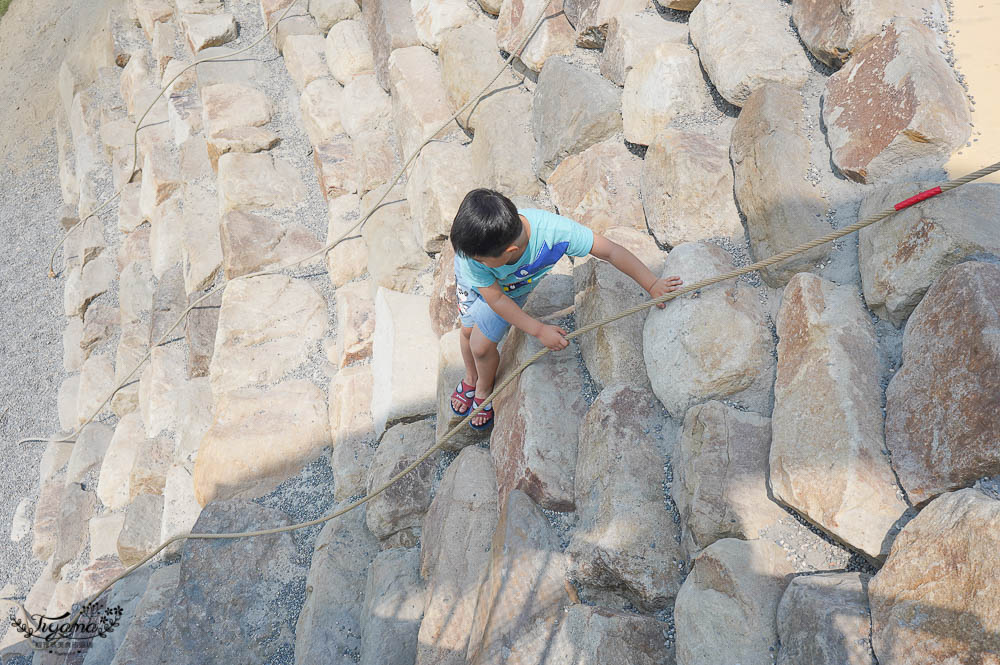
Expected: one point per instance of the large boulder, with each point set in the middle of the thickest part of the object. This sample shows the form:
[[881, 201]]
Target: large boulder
[[394, 604], [433, 19], [726, 609], [613, 352], [941, 418], [328, 629], [504, 144], [349, 259], [251, 243], [249, 181], [389, 24], [716, 345], [140, 533], [833, 31], [824, 620], [351, 429], [349, 52], [596, 115], [228, 604], [395, 258], [444, 298], [555, 35], [365, 106], [901, 257], [599, 187], [590, 18], [455, 541], [744, 44], [630, 37], [720, 476], [403, 504], [770, 154], [897, 110], [827, 457], [260, 437], [268, 325], [664, 84], [626, 538], [523, 588], [419, 101], [116, 467], [404, 359], [534, 439], [469, 60], [934, 600], [438, 181], [687, 189]]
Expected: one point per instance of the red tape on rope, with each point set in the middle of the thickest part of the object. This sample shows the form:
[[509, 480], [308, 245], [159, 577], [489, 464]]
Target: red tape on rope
[[922, 196]]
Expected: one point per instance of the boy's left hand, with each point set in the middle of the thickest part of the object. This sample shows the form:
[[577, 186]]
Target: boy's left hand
[[663, 286]]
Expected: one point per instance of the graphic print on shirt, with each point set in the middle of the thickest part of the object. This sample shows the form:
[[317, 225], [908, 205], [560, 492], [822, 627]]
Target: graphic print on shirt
[[547, 257]]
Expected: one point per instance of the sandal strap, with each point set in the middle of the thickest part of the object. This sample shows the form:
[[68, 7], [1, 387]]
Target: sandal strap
[[476, 402], [462, 384]]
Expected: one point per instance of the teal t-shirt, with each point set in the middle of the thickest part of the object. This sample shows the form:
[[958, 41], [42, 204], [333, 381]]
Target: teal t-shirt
[[552, 237]]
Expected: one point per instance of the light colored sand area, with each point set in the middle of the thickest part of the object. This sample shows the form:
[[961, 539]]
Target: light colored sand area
[[35, 37], [974, 33]]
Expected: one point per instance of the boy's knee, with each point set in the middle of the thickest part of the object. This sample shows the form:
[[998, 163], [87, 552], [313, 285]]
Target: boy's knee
[[467, 332], [481, 345]]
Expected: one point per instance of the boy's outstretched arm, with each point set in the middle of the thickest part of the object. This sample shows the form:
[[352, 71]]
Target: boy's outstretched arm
[[551, 336], [630, 264]]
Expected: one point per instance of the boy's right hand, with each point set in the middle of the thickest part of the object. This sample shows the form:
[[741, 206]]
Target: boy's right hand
[[552, 337]]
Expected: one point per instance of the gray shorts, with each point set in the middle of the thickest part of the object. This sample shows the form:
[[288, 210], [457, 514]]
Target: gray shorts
[[473, 311]]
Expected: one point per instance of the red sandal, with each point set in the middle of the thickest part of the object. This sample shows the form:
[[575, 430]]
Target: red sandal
[[487, 411], [464, 393]]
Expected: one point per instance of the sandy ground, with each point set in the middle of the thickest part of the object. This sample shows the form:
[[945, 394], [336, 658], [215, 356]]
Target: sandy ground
[[35, 36], [973, 32]]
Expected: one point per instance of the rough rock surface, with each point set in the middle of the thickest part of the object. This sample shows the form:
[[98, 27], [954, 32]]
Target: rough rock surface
[[664, 84], [534, 439], [395, 259], [401, 506], [833, 31], [770, 154], [828, 459], [258, 438], [389, 24], [744, 44], [897, 109], [630, 37], [523, 588], [444, 299], [329, 626], [267, 327], [404, 359], [352, 430], [590, 18], [504, 144], [224, 604], [941, 421], [469, 59], [720, 475], [613, 352], [899, 261], [687, 187], [717, 345], [626, 538], [394, 604], [824, 619], [934, 600], [555, 35], [455, 538], [599, 187], [733, 591], [595, 105]]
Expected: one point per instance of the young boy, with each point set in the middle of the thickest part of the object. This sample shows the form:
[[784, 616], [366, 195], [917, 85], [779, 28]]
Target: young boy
[[501, 253]]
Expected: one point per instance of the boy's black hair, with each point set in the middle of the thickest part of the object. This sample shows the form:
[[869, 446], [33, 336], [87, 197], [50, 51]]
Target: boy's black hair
[[486, 224]]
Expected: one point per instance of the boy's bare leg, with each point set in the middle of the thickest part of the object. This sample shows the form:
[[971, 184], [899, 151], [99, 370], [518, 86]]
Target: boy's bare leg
[[471, 375], [487, 359]]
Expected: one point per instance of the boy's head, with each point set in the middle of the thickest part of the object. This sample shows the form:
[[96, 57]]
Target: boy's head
[[486, 226]]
